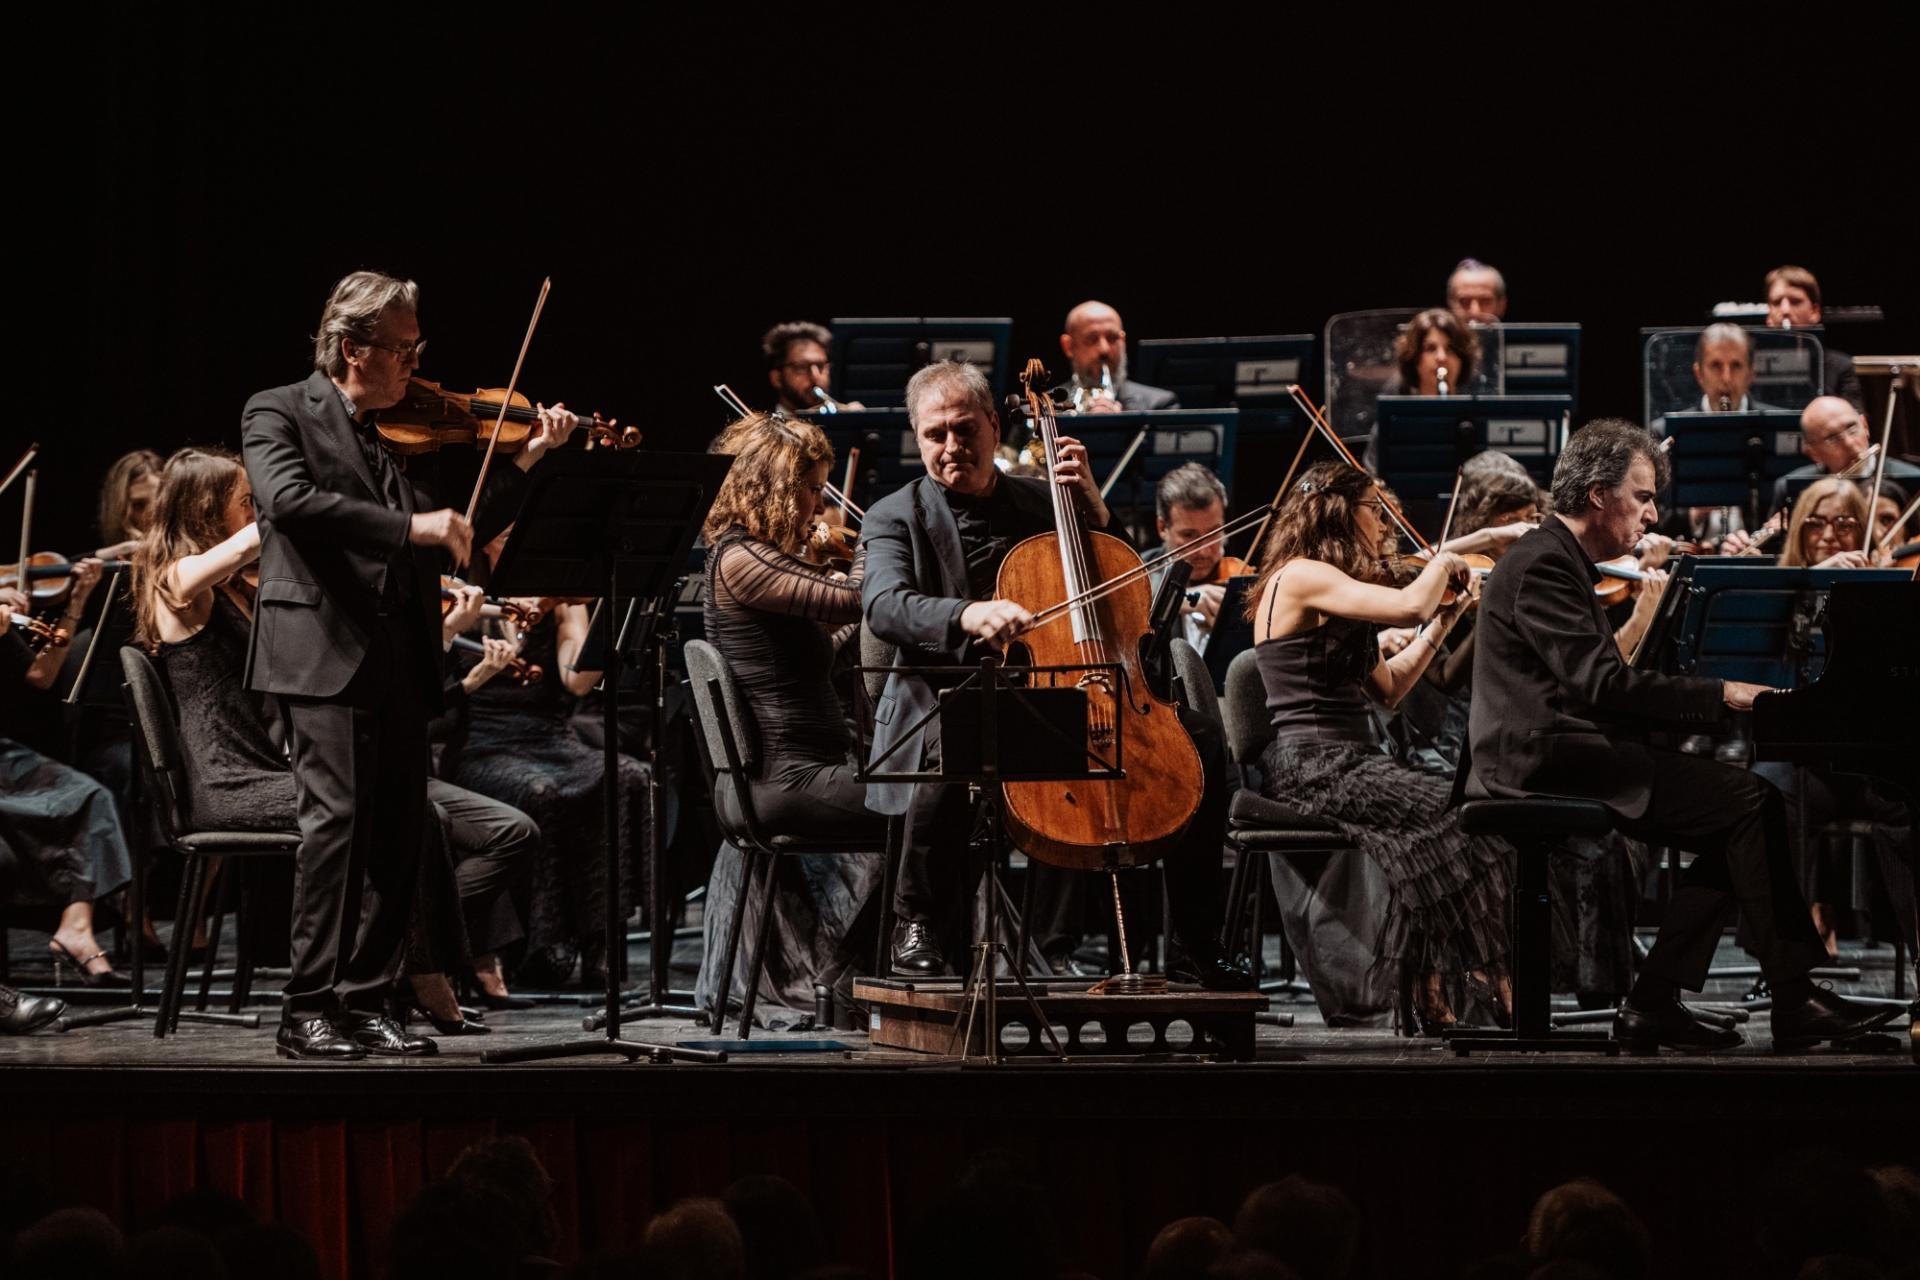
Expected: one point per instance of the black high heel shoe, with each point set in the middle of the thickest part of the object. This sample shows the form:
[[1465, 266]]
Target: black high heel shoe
[[402, 1011], [64, 959]]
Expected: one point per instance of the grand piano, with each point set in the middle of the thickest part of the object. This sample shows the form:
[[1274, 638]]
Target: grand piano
[[1861, 714]]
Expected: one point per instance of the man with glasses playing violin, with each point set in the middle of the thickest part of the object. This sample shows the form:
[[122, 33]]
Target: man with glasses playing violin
[[800, 366], [1835, 437], [346, 635], [934, 550]]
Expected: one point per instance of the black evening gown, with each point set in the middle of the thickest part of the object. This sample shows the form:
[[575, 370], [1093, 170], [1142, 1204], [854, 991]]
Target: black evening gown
[[1595, 880], [774, 619], [1446, 911], [239, 778], [520, 747]]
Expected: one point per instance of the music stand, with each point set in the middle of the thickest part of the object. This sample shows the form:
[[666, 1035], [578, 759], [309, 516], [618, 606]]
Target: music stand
[[1730, 459], [660, 632], [617, 526], [1048, 717]]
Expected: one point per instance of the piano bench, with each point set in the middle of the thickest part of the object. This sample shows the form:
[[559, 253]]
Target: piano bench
[[1534, 826]]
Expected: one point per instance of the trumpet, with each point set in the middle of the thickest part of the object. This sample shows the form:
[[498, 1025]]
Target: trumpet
[[1084, 398]]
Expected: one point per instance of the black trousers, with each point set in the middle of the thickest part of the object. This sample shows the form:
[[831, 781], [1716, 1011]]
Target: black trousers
[[492, 844], [1735, 825], [937, 878], [799, 797], [360, 766]]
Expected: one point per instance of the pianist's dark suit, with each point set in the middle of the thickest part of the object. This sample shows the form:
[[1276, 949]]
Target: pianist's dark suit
[[1557, 711]]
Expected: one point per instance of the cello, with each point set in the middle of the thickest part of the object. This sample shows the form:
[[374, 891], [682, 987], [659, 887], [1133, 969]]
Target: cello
[[1095, 825]]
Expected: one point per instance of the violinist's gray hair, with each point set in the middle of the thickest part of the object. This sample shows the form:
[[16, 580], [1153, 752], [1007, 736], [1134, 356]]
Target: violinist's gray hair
[[954, 380], [1188, 485], [1714, 334], [353, 311], [1600, 454]]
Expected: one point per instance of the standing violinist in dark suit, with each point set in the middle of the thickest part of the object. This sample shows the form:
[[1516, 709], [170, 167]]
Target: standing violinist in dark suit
[[347, 635], [934, 549], [1557, 711]]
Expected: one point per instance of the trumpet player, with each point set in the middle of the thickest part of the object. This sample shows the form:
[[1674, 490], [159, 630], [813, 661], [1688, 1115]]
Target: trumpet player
[[1095, 342]]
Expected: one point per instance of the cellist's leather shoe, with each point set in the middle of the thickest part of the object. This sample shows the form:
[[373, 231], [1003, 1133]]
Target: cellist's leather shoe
[[1826, 1015], [915, 953], [316, 1038], [381, 1035], [1216, 974], [1669, 1025]]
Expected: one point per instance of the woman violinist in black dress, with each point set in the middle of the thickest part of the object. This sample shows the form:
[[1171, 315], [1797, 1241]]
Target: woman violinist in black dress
[[778, 618], [193, 610], [1317, 604]]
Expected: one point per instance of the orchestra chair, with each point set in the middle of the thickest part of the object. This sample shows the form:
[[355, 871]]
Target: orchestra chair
[[729, 741], [161, 763], [1261, 830], [1535, 827]]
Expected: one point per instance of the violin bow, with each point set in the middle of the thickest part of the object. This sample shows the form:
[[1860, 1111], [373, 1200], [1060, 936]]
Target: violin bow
[[1898, 522], [93, 643], [846, 487], [26, 532], [732, 401], [1279, 498], [1391, 507], [1446, 526], [506, 401], [33, 451], [1113, 477]]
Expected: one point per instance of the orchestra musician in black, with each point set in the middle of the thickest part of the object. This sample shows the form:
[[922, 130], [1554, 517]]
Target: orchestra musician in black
[[934, 549], [346, 634], [1557, 711]]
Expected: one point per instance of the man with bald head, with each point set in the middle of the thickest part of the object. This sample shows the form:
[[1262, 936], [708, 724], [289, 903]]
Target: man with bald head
[[1094, 340], [1834, 436]]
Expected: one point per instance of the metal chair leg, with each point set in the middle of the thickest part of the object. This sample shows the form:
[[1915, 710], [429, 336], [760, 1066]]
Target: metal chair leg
[[170, 994], [759, 946], [222, 905], [749, 859], [1262, 877], [246, 924]]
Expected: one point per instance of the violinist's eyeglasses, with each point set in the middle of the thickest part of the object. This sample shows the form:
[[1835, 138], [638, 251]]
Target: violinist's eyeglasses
[[405, 351], [1839, 524], [1854, 428]]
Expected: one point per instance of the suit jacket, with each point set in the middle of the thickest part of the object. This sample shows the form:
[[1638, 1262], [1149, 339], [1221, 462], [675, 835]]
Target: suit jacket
[[1138, 397], [914, 593], [329, 540], [1556, 710]]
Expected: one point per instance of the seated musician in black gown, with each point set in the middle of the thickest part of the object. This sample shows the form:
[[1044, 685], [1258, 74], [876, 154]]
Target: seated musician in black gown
[[934, 551], [1556, 711], [192, 609], [778, 618]]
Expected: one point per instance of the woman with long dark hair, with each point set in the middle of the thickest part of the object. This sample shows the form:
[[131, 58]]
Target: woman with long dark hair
[[1317, 603]]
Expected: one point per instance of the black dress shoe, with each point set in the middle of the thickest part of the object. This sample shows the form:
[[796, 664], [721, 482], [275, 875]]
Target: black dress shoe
[[1826, 1015], [20, 1014], [1669, 1025], [316, 1038], [915, 953], [1217, 974], [378, 1034]]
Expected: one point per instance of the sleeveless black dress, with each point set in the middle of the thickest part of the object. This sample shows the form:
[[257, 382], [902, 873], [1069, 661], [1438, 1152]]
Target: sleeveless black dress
[[238, 779], [1447, 910]]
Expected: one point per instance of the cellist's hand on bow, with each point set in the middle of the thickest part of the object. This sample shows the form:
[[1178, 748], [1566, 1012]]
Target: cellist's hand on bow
[[1073, 472], [556, 425], [994, 622]]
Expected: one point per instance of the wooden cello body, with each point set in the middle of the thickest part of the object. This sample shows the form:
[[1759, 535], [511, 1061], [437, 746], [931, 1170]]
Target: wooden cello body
[[1085, 824]]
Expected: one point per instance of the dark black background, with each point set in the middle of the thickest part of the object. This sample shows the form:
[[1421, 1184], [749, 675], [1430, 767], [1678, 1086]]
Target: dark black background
[[688, 182]]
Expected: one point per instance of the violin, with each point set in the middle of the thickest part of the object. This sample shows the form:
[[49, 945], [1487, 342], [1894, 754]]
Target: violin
[[41, 635], [432, 417], [1620, 579], [832, 546], [50, 577], [1109, 823], [517, 612], [1225, 570], [518, 669]]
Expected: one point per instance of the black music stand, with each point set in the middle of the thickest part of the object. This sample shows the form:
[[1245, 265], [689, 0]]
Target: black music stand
[[1730, 459], [1048, 717], [617, 526]]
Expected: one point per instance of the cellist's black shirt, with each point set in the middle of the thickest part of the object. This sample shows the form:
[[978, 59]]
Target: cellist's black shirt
[[989, 528]]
